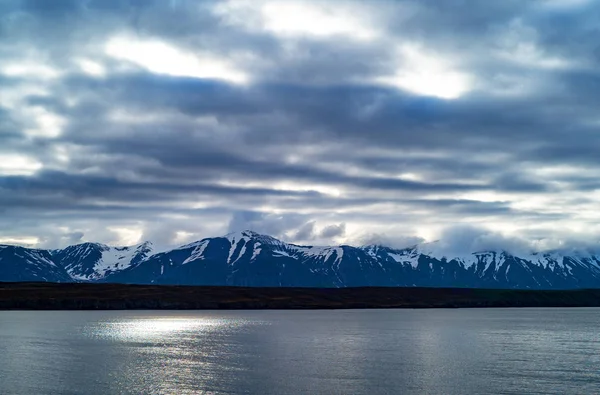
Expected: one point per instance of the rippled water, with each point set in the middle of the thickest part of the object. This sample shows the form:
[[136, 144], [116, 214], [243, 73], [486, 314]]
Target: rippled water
[[495, 351]]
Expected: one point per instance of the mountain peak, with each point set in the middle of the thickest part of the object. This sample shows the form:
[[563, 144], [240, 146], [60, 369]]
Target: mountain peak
[[250, 234], [145, 245], [243, 233], [88, 244]]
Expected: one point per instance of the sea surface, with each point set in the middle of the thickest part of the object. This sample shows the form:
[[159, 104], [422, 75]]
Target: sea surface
[[460, 351]]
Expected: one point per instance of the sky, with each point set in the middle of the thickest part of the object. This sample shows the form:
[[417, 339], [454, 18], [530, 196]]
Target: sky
[[317, 122]]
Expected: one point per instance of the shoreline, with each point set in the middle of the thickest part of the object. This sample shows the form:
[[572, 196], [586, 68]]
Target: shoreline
[[99, 296]]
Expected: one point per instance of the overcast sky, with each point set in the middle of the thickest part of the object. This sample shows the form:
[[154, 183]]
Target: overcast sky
[[316, 122]]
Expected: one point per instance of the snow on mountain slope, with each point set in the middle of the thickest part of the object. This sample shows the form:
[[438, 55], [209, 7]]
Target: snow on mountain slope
[[94, 261], [198, 251]]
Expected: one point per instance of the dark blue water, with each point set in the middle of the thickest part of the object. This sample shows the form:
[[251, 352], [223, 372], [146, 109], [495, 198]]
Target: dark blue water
[[466, 351]]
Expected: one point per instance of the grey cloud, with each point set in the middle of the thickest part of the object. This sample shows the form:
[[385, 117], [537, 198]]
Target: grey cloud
[[463, 239], [107, 188], [75, 237], [332, 231], [467, 239], [396, 241], [465, 206], [59, 239], [269, 223], [467, 127], [306, 231]]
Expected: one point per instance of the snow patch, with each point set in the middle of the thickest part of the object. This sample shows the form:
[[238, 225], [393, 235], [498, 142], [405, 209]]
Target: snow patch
[[412, 260], [325, 253], [278, 253], [256, 251], [235, 239], [197, 253]]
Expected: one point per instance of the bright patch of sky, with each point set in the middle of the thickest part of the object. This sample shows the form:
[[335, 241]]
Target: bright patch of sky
[[160, 57]]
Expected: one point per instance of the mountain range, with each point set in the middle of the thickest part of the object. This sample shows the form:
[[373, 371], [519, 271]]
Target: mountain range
[[251, 259]]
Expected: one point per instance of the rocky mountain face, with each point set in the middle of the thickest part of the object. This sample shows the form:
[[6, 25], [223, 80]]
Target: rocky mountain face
[[251, 259], [25, 264]]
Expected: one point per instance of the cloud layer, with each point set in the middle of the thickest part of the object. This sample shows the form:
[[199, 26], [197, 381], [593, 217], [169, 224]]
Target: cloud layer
[[316, 122]]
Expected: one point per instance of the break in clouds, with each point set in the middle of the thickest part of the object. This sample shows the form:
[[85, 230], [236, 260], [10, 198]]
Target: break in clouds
[[316, 122]]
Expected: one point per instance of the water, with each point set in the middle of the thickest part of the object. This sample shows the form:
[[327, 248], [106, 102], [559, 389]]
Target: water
[[466, 351]]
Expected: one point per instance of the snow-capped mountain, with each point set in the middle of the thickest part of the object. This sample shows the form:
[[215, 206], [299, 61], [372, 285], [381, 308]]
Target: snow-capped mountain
[[26, 264], [242, 258], [94, 261], [251, 259]]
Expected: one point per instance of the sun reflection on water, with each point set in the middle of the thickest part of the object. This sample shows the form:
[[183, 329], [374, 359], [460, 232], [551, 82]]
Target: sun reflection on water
[[173, 353], [152, 327]]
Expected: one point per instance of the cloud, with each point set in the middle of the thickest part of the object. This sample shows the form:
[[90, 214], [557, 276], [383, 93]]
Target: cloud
[[306, 232], [466, 239], [332, 231], [162, 58], [379, 120], [397, 241], [298, 18], [276, 225]]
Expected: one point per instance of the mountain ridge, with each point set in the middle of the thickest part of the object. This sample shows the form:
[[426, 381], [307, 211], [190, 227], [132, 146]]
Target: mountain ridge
[[248, 258]]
